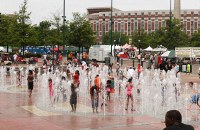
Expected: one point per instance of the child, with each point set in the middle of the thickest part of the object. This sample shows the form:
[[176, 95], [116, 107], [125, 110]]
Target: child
[[129, 87], [50, 90], [108, 89], [19, 77], [94, 98], [195, 96], [30, 79]]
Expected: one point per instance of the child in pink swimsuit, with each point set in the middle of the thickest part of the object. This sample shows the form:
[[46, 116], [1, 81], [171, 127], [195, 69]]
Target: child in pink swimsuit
[[129, 88], [50, 89]]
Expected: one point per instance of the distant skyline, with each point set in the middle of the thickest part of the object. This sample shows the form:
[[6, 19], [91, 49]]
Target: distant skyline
[[43, 9]]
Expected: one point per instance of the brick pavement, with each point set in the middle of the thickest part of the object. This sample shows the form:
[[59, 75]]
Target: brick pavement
[[14, 117]]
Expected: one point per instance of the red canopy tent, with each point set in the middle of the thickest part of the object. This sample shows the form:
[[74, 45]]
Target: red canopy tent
[[123, 55]]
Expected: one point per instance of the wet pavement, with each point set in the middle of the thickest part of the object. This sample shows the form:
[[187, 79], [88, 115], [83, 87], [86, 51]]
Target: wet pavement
[[19, 112]]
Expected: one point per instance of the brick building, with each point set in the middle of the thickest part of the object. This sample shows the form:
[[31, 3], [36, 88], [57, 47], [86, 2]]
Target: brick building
[[128, 22]]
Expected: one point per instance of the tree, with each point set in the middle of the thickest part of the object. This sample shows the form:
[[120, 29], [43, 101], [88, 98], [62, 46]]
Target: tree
[[80, 32], [43, 32], [7, 34], [195, 39], [120, 38], [175, 38], [23, 27]]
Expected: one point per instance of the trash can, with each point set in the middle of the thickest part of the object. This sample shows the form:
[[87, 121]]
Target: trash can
[[107, 60]]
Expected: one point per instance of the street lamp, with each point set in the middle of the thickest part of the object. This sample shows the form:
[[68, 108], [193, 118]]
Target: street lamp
[[114, 47], [64, 19], [170, 24], [139, 46], [111, 42], [139, 57]]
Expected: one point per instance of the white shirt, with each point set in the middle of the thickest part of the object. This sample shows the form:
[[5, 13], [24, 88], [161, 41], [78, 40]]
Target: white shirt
[[45, 57], [15, 56]]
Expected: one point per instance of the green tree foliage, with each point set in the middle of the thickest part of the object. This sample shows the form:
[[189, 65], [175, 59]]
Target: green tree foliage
[[164, 36], [195, 39], [118, 38], [80, 32], [56, 30], [43, 31], [176, 37], [22, 30]]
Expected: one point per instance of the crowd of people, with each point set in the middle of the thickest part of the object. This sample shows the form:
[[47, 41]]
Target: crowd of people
[[173, 119]]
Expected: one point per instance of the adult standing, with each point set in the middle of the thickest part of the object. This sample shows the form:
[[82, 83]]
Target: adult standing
[[15, 58], [60, 58], [45, 58], [30, 79], [73, 96]]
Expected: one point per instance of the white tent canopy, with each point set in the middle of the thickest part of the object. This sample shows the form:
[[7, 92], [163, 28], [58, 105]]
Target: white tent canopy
[[165, 54], [1, 48], [148, 49], [160, 48]]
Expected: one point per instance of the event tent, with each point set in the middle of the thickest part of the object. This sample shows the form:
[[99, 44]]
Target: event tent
[[160, 49], [169, 54], [148, 49]]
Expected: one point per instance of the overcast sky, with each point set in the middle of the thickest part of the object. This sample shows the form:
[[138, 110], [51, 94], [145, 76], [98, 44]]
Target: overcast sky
[[43, 9]]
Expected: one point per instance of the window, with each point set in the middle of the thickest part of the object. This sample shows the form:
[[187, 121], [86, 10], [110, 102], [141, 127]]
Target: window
[[142, 25], [116, 26], [135, 16], [185, 26], [103, 28], [122, 27], [163, 24], [97, 31], [103, 17], [129, 28], [192, 27], [149, 26], [109, 25], [156, 25], [135, 26]]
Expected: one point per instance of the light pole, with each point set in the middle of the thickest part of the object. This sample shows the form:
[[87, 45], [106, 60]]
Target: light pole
[[111, 42], [64, 20], [170, 25], [114, 47], [139, 51]]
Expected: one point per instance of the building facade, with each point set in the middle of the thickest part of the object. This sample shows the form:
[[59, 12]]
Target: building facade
[[128, 22]]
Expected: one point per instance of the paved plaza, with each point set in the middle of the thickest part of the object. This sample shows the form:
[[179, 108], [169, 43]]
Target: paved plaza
[[19, 112]]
